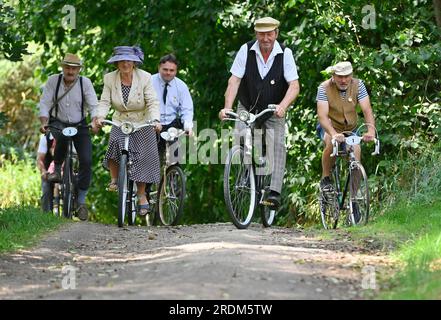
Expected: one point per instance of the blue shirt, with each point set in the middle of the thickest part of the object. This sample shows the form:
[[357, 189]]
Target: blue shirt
[[178, 101]]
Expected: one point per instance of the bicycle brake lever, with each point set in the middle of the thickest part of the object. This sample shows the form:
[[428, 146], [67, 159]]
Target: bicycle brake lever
[[334, 148], [377, 148]]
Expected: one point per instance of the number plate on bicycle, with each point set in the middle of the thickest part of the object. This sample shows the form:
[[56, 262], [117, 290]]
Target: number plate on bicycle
[[70, 131], [353, 140]]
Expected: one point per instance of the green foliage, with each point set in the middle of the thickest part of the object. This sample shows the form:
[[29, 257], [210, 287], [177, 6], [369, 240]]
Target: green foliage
[[20, 183], [19, 91], [398, 59], [22, 226], [12, 45]]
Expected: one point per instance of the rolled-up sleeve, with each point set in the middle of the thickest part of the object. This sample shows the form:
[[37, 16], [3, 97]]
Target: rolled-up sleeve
[[105, 102], [240, 61], [46, 100], [90, 97], [151, 100], [290, 67]]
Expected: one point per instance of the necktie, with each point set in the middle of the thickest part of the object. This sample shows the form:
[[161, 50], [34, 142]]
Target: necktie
[[164, 95]]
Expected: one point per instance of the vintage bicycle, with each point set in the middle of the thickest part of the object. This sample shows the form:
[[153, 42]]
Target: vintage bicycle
[[353, 195], [243, 188], [126, 186], [167, 200]]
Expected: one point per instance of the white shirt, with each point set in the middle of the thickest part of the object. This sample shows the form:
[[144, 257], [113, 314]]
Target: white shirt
[[289, 65], [42, 145], [178, 101], [70, 104]]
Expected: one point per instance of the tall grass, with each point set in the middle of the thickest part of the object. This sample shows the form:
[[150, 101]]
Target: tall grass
[[19, 183]]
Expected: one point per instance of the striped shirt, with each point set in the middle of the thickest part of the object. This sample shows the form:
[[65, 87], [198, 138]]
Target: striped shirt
[[362, 93]]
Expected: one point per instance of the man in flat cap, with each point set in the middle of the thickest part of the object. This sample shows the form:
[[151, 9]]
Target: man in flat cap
[[337, 99], [264, 72], [65, 101]]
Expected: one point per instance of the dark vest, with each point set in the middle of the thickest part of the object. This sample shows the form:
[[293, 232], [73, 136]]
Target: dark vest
[[48, 157], [256, 93]]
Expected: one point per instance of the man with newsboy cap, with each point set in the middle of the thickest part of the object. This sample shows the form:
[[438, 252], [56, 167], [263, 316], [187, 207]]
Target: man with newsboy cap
[[264, 72], [66, 99], [337, 99]]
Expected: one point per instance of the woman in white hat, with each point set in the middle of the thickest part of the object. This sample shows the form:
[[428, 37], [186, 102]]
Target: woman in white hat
[[130, 92]]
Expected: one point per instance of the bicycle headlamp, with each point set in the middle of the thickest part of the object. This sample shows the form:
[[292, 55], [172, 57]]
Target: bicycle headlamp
[[126, 127], [244, 116], [173, 132]]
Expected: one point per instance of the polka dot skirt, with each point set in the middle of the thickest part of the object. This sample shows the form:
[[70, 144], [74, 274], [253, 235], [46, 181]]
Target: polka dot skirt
[[125, 93], [143, 152]]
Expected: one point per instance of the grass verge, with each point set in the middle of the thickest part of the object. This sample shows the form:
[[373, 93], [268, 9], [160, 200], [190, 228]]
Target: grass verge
[[412, 233], [21, 227]]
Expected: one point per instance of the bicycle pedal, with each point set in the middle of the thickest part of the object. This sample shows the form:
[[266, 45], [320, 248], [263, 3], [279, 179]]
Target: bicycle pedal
[[266, 203]]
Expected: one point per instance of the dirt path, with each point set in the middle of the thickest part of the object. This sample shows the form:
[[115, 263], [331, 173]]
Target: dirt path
[[213, 261]]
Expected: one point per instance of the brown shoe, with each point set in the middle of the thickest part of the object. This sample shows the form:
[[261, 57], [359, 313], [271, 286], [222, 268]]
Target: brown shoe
[[82, 212]]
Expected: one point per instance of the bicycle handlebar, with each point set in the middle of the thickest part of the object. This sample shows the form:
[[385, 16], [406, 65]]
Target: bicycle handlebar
[[248, 117], [354, 140], [172, 134], [128, 127]]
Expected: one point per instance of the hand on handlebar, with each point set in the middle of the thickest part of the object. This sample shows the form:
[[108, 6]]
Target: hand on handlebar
[[368, 137], [340, 137], [280, 112], [158, 127], [43, 128], [97, 124], [223, 114]]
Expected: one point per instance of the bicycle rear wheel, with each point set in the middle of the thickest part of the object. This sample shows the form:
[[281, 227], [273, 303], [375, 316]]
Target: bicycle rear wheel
[[123, 191], [171, 196], [239, 188], [358, 195], [267, 213], [152, 197], [67, 189]]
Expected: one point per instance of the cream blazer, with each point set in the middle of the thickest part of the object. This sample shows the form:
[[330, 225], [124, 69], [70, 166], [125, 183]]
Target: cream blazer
[[142, 104]]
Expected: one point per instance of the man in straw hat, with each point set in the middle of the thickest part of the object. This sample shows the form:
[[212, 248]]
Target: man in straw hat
[[66, 99], [264, 72], [337, 99]]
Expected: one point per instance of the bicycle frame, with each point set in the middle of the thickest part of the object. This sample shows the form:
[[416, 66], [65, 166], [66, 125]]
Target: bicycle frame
[[258, 188], [249, 120], [351, 140]]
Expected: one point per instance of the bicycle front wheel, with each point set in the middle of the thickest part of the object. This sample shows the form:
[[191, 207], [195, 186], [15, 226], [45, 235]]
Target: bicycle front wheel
[[123, 190], [329, 209], [171, 196], [67, 189], [358, 195], [239, 188], [131, 204]]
